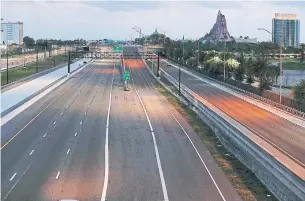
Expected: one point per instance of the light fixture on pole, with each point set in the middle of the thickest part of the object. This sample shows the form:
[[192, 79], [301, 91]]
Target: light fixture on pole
[[139, 30], [281, 59], [164, 36]]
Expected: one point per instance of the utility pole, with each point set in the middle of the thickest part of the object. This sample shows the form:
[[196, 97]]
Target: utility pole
[[198, 54], [224, 62], [158, 69], [36, 57], [69, 62], [281, 51], [281, 62], [65, 53], [180, 66], [302, 52], [6, 63], [54, 59]]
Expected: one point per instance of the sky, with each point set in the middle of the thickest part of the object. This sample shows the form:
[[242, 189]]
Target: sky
[[115, 19]]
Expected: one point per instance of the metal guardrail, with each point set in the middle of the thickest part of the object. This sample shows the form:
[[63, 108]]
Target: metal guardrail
[[269, 169], [250, 94]]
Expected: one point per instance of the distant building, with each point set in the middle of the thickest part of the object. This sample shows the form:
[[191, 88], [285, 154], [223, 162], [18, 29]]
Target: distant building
[[245, 40], [286, 28], [12, 33]]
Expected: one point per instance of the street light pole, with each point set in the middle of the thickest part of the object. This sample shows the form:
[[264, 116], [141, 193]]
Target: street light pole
[[54, 59], [224, 62], [198, 54], [6, 63], [65, 53], [164, 36], [281, 58], [37, 58]]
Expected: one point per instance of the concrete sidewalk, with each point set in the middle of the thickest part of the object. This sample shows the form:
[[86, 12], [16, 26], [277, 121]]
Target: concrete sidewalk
[[12, 98]]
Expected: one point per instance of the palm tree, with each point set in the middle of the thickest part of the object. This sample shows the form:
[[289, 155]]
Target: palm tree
[[263, 70]]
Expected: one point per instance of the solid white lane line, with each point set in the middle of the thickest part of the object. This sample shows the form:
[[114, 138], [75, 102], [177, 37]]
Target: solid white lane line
[[11, 179], [165, 195], [31, 152], [207, 169], [68, 151], [75, 134], [58, 173], [103, 198]]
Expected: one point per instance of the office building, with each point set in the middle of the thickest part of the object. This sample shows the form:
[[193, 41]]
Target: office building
[[286, 29], [12, 33]]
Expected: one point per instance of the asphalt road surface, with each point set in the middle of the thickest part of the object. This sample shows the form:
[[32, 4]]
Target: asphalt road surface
[[95, 141], [283, 134]]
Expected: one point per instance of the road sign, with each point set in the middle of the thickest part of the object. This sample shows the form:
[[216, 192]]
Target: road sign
[[118, 48], [126, 75]]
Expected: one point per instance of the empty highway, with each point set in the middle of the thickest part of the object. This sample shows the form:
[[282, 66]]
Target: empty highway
[[282, 134], [90, 140]]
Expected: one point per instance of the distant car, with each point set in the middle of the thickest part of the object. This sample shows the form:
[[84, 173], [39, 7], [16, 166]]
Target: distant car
[[85, 62], [168, 65]]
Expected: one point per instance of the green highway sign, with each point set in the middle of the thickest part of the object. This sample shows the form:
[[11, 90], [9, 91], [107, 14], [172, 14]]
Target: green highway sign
[[126, 75], [118, 48]]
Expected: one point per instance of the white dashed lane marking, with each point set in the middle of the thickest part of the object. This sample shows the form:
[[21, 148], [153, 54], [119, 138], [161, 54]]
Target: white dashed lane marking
[[68, 151], [57, 176], [75, 134], [31, 152], [11, 179], [44, 135]]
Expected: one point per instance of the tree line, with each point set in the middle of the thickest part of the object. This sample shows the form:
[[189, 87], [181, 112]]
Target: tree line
[[30, 42], [246, 63]]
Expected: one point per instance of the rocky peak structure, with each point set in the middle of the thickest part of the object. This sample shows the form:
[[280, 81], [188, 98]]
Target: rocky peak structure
[[219, 32]]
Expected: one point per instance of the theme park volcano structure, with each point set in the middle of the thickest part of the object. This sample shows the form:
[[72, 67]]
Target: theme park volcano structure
[[219, 32]]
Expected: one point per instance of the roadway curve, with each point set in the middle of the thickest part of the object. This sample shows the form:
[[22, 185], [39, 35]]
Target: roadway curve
[[281, 133], [69, 138]]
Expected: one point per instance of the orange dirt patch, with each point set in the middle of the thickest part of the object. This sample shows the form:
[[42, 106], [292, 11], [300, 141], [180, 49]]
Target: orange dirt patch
[[134, 63]]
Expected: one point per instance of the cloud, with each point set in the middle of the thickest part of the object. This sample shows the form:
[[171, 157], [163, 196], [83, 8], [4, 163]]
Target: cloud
[[97, 20]]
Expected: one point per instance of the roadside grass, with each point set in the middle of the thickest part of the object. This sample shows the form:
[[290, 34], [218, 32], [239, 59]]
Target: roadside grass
[[15, 74], [24, 54], [244, 181]]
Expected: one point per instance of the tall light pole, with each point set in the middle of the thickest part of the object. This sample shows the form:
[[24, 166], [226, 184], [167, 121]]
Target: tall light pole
[[164, 36], [198, 53], [224, 59], [281, 52], [139, 30]]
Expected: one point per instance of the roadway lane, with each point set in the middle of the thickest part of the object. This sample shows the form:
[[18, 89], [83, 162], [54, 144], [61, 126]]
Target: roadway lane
[[68, 137], [282, 133], [133, 171], [185, 176]]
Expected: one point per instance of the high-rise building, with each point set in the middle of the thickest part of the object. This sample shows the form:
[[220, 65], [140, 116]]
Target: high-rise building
[[12, 32], [286, 29]]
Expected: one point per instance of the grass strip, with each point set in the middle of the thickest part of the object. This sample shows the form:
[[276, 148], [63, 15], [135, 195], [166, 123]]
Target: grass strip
[[18, 73]]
